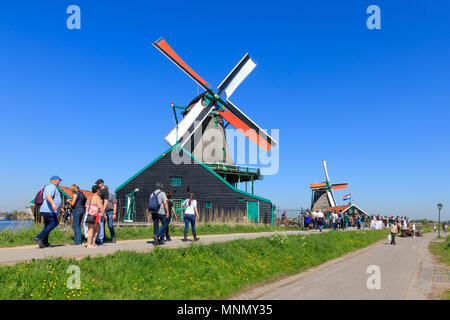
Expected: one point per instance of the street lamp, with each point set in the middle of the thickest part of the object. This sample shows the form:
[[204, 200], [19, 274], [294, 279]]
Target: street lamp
[[439, 205]]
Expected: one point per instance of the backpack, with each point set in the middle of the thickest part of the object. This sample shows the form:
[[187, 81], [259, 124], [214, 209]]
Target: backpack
[[39, 198], [153, 204]]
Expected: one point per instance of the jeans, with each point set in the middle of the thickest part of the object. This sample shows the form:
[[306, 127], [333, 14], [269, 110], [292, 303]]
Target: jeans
[[189, 218], [110, 214], [167, 229], [334, 225], [345, 226], [392, 238], [50, 222], [77, 216], [101, 232], [363, 225], [164, 226], [155, 218]]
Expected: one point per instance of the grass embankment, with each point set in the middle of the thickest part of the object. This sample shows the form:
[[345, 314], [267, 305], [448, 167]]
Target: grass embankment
[[213, 271], [65, 236], [442, 250]]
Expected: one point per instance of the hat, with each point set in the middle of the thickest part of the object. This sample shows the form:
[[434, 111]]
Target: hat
[[99, 181], [55, 177]]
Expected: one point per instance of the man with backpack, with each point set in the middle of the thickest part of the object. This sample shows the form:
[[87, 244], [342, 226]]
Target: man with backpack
[[50, 201], [159, 209]]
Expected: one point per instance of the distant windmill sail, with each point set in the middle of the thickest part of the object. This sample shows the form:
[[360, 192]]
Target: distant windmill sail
[[237, 75]]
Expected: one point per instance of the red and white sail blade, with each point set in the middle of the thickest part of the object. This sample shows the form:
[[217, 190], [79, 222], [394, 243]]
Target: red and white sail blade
[[164, 47], [237, 75], [250, 129]]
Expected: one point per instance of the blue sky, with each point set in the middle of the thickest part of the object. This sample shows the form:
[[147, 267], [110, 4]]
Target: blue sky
[[94, 102]]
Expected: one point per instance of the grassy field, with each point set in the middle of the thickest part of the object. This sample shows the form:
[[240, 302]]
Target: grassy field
[[213, 271], [442, 250], [65, 236]]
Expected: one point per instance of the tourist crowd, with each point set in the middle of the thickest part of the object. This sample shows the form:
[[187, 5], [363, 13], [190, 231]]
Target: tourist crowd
[[100, 208]]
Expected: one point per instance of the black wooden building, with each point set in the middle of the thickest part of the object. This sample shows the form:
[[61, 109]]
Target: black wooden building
[[180, 173]]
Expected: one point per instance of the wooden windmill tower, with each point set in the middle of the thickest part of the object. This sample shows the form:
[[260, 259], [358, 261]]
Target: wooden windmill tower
[[322, 196], [213, 112]]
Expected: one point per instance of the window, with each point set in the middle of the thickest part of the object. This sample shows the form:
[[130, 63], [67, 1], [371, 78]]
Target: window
[[175, 181], [208, 205]]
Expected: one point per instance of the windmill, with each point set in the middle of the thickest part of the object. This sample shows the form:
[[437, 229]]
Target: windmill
[[322, 193], [212, 109]]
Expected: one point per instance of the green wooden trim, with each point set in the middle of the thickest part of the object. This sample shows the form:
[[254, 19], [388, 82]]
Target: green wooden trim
[[145, 168], [67, 196]]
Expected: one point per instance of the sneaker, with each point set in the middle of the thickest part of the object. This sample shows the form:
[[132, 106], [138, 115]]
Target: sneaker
[[39, 242], [168, 239], [113, 240], [155, 240], [75, 244]]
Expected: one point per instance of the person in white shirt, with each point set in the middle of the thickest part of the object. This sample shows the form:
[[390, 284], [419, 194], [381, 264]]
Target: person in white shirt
[[334, 218], [190, 213], [320, 219]]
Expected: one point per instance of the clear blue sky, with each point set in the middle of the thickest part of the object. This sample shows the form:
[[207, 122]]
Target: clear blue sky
[[94, 102]]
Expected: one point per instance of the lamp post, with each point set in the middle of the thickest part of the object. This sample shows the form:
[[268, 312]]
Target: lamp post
[[439, 206]]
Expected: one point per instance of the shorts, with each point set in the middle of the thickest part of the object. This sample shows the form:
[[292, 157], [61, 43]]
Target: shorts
[[306, 224]]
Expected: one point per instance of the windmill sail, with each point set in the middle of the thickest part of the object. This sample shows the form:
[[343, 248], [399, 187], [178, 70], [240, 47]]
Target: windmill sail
[[164, 47], [250, 129], [237, 75], [193, 120]]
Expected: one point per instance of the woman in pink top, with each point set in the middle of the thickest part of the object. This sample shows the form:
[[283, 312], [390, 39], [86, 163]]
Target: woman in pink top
[[94, 207]]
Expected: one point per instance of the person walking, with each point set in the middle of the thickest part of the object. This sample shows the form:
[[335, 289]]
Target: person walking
[[413, 227], [110, 211], [94, 208], [78, 204], [334, 218], [160, 213], [320, 220], [394, 231], [49, 209], [307, 219], [104, 197], [434, 228], [190, 212], [346, 219], [171, 214]]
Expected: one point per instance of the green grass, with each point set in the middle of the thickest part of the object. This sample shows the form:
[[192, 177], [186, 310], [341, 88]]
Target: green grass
[[442, 250], [213, 271], [65, 236]]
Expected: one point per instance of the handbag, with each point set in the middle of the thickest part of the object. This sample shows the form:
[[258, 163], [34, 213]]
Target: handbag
[[90, 219]]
